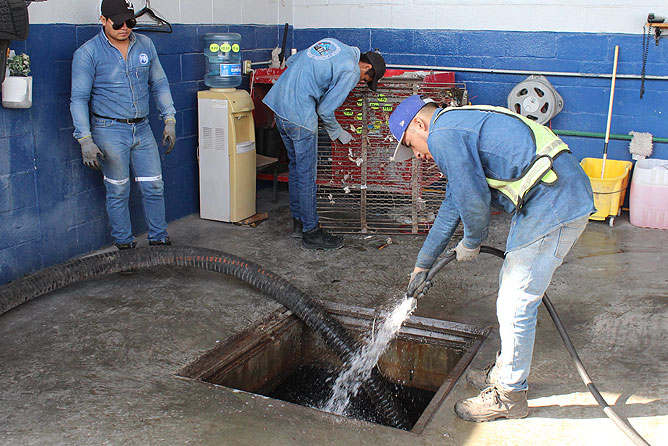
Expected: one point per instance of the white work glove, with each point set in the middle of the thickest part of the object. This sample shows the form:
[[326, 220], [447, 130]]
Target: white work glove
[[418, 278], [169, 135], [465, 254], [345, 137], [89, 152]]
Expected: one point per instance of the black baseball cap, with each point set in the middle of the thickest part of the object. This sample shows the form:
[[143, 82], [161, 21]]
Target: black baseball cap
[[378, 64], [118, 10]]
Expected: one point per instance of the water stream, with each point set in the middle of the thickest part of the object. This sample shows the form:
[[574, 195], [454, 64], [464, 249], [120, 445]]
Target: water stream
[[358, 369]]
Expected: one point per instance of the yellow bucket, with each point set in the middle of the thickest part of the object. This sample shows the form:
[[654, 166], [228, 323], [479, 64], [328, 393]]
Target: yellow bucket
[[609, 191]]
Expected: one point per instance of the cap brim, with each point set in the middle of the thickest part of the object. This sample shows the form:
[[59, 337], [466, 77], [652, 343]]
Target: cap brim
[[401, 153], [373, 85], [122, 17], [378, 64]]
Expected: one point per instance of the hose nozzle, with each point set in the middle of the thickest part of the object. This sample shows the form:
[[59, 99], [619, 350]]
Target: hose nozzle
[[422, 281]]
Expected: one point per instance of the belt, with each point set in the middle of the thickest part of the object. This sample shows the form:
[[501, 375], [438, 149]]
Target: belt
[[124, 121]]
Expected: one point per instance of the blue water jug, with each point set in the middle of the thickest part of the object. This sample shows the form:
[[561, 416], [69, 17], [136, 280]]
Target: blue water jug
[[223, 54]]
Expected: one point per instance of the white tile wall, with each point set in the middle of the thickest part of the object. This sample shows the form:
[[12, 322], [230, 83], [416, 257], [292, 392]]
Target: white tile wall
[[170, 10], [228, 11], [407, 16], [320, 16], [262, 12], [285, 11], [509, 18], [370, 16], [41, 12], [194, 11], [610, 16], [600, 19], [77, 12]]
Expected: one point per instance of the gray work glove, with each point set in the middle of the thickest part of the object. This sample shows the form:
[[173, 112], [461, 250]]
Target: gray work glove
[[89, 152], [417, 280], [169, 135], [465, 254], [345, 137]]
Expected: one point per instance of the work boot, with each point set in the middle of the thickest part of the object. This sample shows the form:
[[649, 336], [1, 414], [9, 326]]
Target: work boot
[[492, 403], [297, 228], [122, 246], [320, 239], [167, 241], [482, 379]]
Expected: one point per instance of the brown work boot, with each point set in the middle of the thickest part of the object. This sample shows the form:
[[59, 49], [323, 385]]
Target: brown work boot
[[482, 379], [492, 403]]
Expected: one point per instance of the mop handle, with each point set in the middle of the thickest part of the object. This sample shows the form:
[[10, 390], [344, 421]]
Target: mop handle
[[612, 96]]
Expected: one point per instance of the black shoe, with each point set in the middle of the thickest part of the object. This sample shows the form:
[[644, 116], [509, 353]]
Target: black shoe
[[320, 239], [297, 228], [167, 241], [122, 246]]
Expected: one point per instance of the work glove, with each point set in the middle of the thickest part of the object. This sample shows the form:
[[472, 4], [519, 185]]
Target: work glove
[[418, 278], [89, 152], [345, 137], [465, 254], [169, 135]]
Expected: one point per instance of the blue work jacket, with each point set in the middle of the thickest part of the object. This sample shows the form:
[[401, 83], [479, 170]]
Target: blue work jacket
[[471, 145], [105, 83], [316, 82]]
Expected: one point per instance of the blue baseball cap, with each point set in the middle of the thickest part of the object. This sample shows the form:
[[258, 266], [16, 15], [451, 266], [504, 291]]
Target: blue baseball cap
[[399, 120]]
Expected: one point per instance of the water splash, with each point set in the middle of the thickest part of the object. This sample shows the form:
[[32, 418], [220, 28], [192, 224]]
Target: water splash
[[358, 368]]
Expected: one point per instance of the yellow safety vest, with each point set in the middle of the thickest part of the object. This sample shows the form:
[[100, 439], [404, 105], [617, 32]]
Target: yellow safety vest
[[548, 147]]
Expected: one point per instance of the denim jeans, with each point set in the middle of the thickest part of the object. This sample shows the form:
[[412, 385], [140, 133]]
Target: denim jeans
[[302, 147], [125, 146], [524, 278]]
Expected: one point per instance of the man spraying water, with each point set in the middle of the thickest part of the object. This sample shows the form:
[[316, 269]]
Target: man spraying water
[[494, 157]]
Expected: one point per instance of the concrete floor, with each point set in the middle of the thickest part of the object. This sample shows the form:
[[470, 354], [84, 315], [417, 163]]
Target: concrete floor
[[94, 363]]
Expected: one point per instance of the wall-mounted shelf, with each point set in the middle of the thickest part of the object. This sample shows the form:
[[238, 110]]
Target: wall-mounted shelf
[[658, 28]]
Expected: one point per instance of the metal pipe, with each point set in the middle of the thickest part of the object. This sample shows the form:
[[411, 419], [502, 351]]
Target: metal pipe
[[549, 73], [526, 73], [601, 135], [515, 72]]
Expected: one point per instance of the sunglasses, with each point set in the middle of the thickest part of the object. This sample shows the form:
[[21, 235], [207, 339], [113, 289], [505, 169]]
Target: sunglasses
[[130, 23]]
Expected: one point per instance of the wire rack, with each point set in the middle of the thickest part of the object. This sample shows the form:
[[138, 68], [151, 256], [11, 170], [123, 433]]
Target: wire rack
[[359, 189]]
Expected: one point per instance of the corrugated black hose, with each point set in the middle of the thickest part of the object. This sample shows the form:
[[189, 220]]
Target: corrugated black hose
[[310, 312], [622, 424]]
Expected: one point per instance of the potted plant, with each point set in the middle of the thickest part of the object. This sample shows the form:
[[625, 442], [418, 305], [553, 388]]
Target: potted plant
[[17, 87]]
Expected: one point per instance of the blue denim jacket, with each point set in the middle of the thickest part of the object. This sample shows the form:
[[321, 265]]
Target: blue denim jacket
[[470, 145], [316, 82], [108, 85]]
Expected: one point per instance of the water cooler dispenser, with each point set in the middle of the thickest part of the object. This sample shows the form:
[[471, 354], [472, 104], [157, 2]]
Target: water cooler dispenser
[[226, 134]]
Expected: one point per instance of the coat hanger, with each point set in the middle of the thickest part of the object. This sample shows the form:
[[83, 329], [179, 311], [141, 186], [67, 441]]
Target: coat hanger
[[161, 25]]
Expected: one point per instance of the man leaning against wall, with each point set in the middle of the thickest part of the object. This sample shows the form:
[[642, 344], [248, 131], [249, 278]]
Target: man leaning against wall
[[113, 75]]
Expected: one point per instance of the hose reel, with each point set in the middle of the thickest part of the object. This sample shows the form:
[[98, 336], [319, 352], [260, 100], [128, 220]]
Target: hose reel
[[536, 99]]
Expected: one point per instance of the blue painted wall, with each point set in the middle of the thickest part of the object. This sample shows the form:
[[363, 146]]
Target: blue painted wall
[[51, 205], [585, 99]]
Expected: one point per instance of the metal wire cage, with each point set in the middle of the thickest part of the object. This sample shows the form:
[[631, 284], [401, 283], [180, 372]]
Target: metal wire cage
[[359, 189]]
